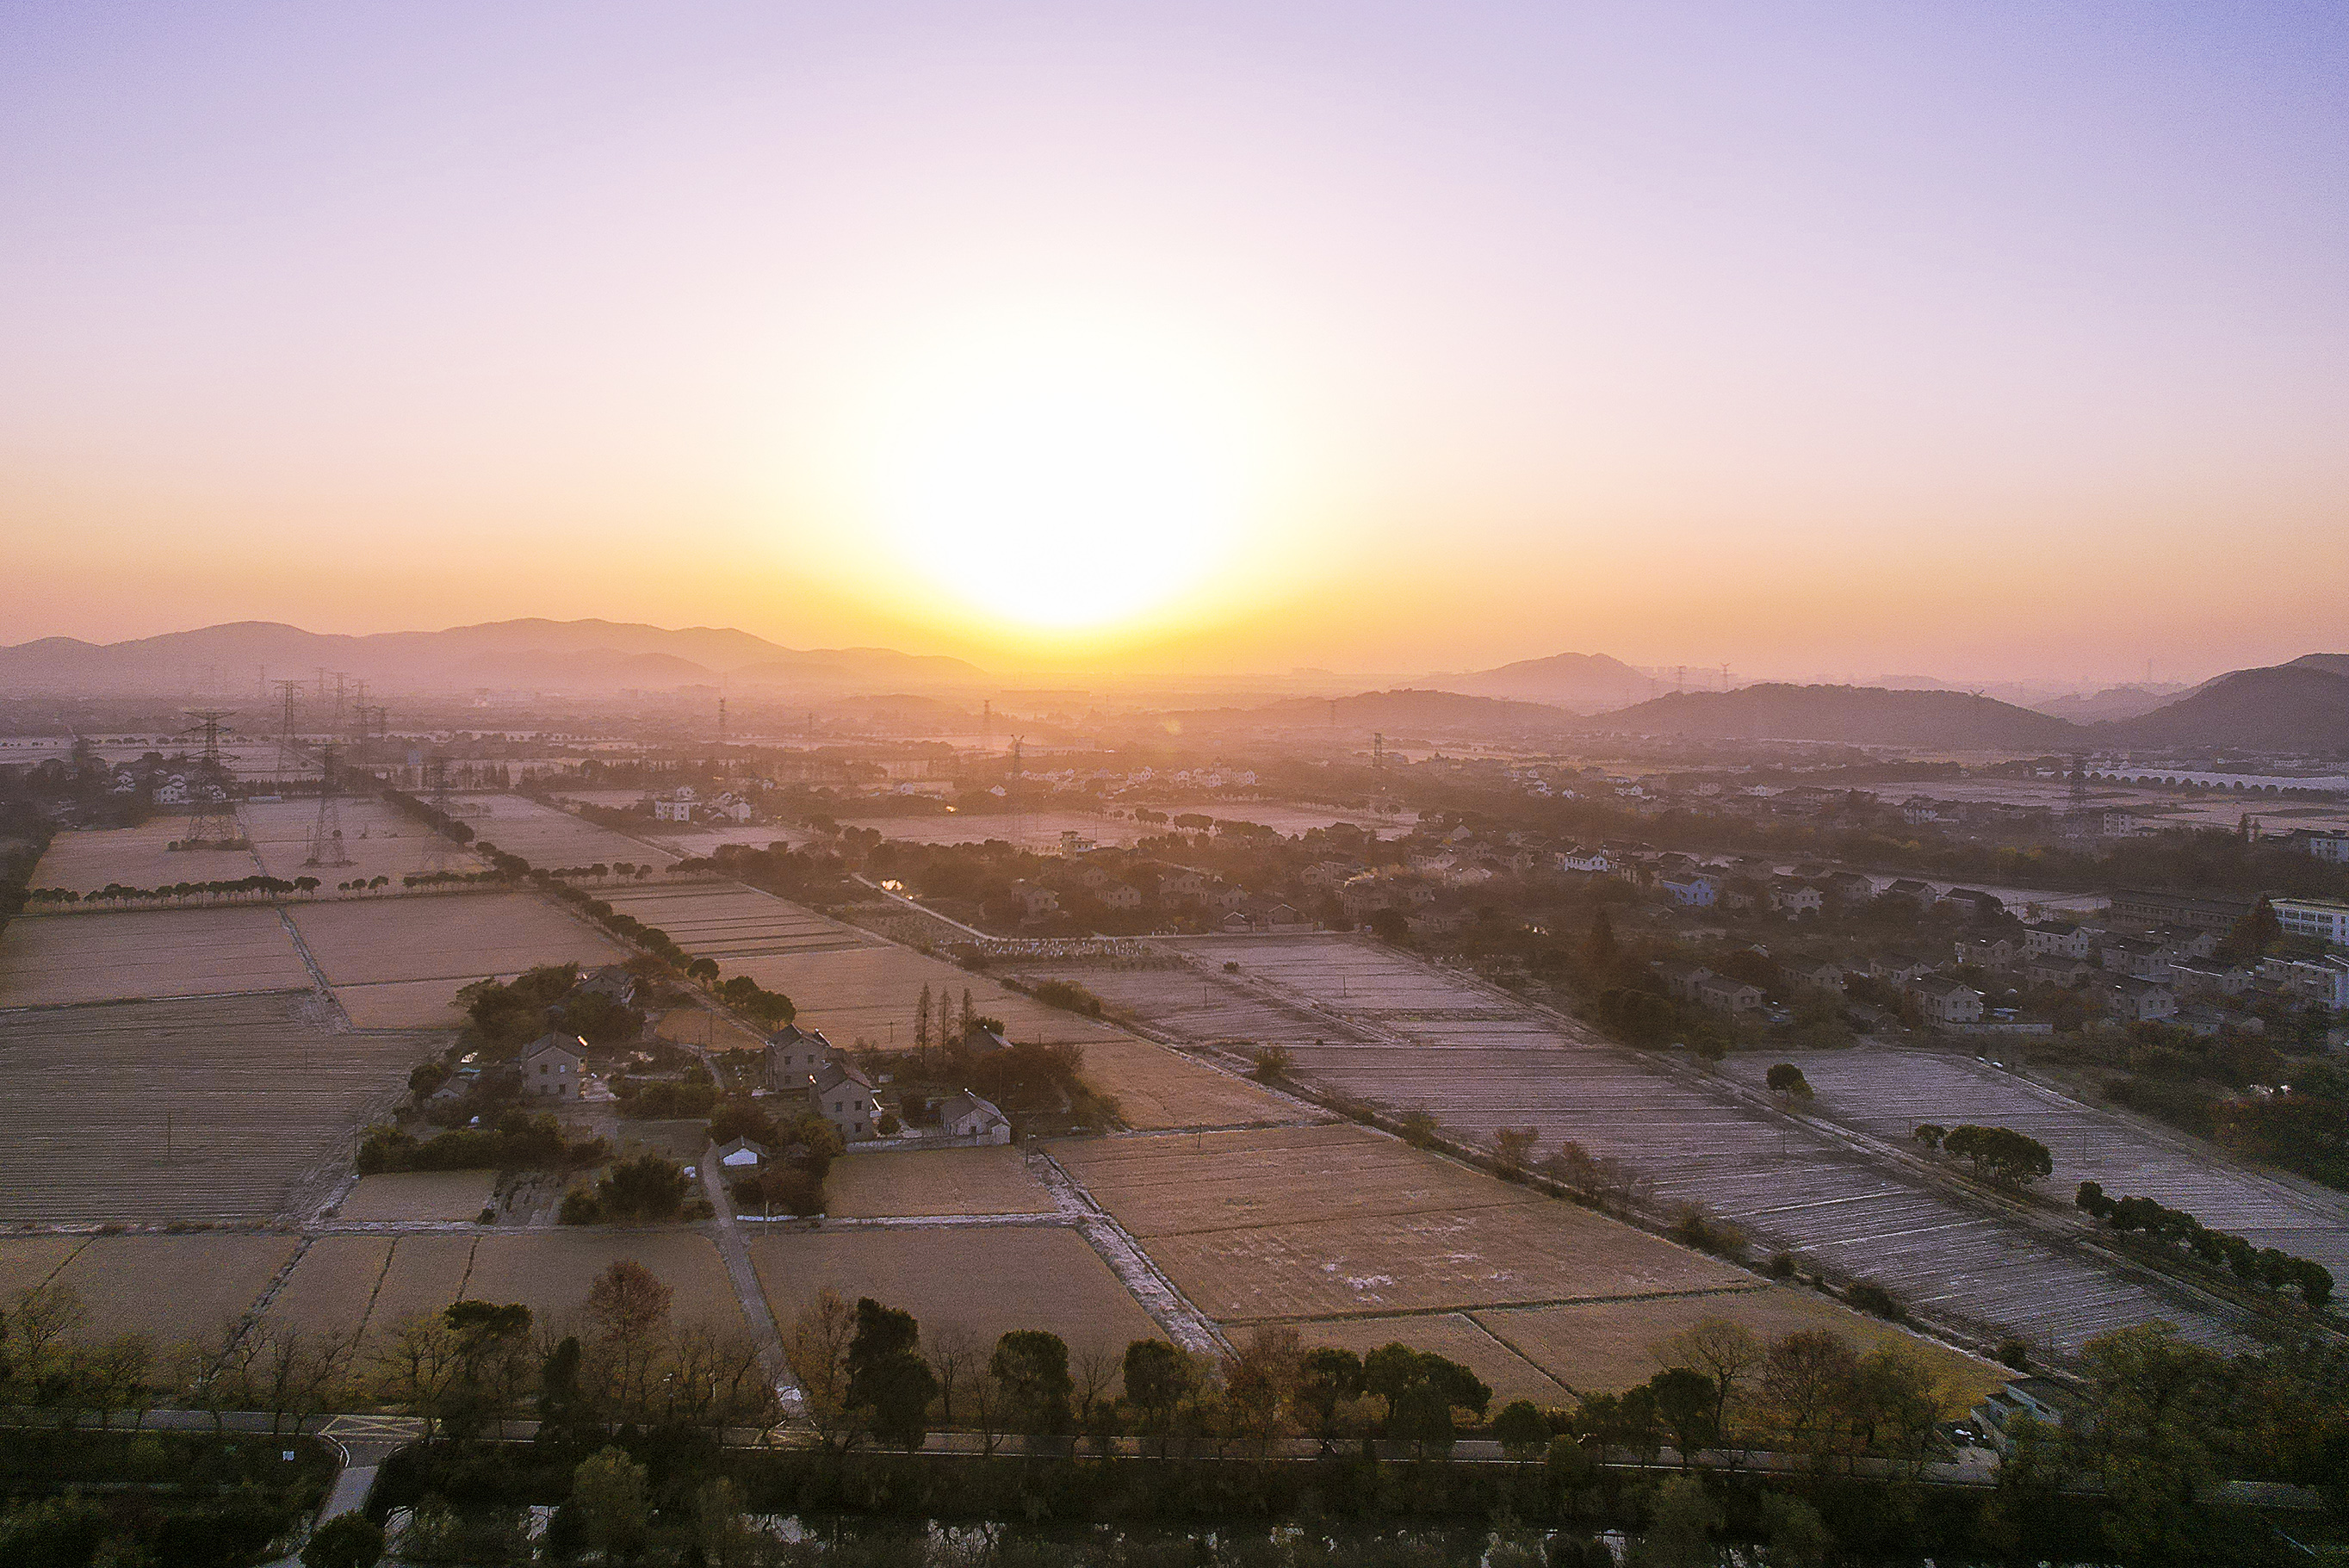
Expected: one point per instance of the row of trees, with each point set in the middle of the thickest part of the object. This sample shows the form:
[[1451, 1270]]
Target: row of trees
[[1997, 1154], [2270, 1266], [116, 893]]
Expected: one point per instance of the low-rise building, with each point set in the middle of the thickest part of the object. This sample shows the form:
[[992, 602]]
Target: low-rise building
[[743, 1156], [2324, 981], [1946, 1001], [845, 1098], [795, 1055], [2138, 1001], [965, 1115], [1731, 996], [2060, 936], [2325, 919], [550, 1066], [1898, 968], [1682, 979], [2060, 969]]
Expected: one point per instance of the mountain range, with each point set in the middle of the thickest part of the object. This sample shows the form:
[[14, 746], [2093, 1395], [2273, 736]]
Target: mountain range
[[534, 654], [1579, 683]]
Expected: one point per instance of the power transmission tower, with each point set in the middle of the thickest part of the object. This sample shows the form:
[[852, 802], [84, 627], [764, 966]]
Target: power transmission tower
[[2078, 804], [1378, 750], [289, 750], [326, 833], [213, 820], [1011, 794], [439, 854]]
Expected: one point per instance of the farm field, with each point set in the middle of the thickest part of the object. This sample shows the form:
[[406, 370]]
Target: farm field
[[203, 1110], [63, 960], [378, 840], [857, 993], [1158, 1087], [984, 1281], [1162, 1186], [1041, 831], [368, 1285], [547, 837], [1603, 1346], [457, 938], [403, 1005], [729, 922], [1888, 1092], [84, 860], [1182, 1000], [1452, 1334], [171, 1288], [890, 1183], [1427, 1262], [420, 1195], [1480, 1060], [27, 1261], [551, 1272], [701, 1027]]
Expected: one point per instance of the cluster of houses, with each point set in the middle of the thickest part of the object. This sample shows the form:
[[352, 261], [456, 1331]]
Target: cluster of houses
[[1123, 880], [2169, 975], [688, 804]]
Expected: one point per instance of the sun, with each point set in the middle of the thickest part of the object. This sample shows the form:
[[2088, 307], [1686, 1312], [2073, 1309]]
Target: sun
[[1063, 479]]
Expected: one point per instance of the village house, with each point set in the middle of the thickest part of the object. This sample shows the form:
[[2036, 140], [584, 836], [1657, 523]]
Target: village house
[[2324, 980], [1850, 886], [795, 1055], [1691, 889], [742, 1157], [2138, 1001], [1729, 995], [1679, 978], [1813, 974], [1036, 900], [1945, 1001], [965, 1115], [845, 1098], [1911, 889], [1981, 905], [1796, 898], [1986, 951], [550, 1067], [1121, 895], [611, 982], [1581, 860], [2059, 969], [1899, 968], [2056, 936], [2209, 977]]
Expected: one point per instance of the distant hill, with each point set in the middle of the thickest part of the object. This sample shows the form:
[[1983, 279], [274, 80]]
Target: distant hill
[[2299, 706], [2112, 703], [1399, 712], [1582, 682], [1863, 716], [569, 656]]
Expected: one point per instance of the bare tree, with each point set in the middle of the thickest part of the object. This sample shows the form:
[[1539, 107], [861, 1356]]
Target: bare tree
[[1728, 1352], [955, 1350], [627, 1317], [420, 1365], [1098, 1374], [818, 1352]]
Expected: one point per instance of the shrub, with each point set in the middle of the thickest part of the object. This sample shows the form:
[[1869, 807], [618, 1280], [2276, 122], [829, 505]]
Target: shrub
[[1871, 1298]]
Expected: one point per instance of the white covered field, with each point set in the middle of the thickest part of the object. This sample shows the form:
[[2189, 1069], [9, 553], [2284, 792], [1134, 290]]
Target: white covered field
[[1888, 1092], [377, 840], [550, 837], [1481, 1061]]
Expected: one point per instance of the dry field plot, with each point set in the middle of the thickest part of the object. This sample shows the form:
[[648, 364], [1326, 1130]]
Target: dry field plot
[[51, 961], [1163, 1186], [461, 937], [910, 1182], [27, 1261], [208, 1110], [1452, 1335], [1157, 1088], [377, 839], [87, 859], [403, 1005], [1480, 1061], [1888, 1092], [551, 1272], [701, 1027], [172, 1287], [420, 1195], [986, 1282], [1595, 1348], [857, 993], [727, 922], [1194, 1006], [547, 837], [1433, 1261], [368, 1285]]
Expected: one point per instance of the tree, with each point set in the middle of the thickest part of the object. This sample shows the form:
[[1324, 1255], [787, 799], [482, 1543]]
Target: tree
[[1727, 1353], [627, 1312], [346, 1541], [1512, 1146], [1389, 927], [887, 1376], [1687, 1399], [2252, 936], [1520, 1429], [1799, 1538], [1785, 1080], [1601, 955], [1682, 1518], [726, 1538], [651, 1186], [1930, 1133], [1388, 1371], [704, 970], [2000, 1154], [1804, 1378], [615, 1511], [1422, 1415], [1328, 1376], [1032, 1367], [1418, 1126], [818, 1350]]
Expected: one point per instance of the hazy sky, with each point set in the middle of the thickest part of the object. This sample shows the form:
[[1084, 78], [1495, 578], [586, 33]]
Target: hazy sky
[[1969, 338]]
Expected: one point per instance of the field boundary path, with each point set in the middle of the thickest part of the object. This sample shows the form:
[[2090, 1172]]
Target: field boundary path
[[747, 1290], [1167, 1304]]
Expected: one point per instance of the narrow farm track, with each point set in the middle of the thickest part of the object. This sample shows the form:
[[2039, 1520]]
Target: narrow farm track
[[1402, 1033]]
